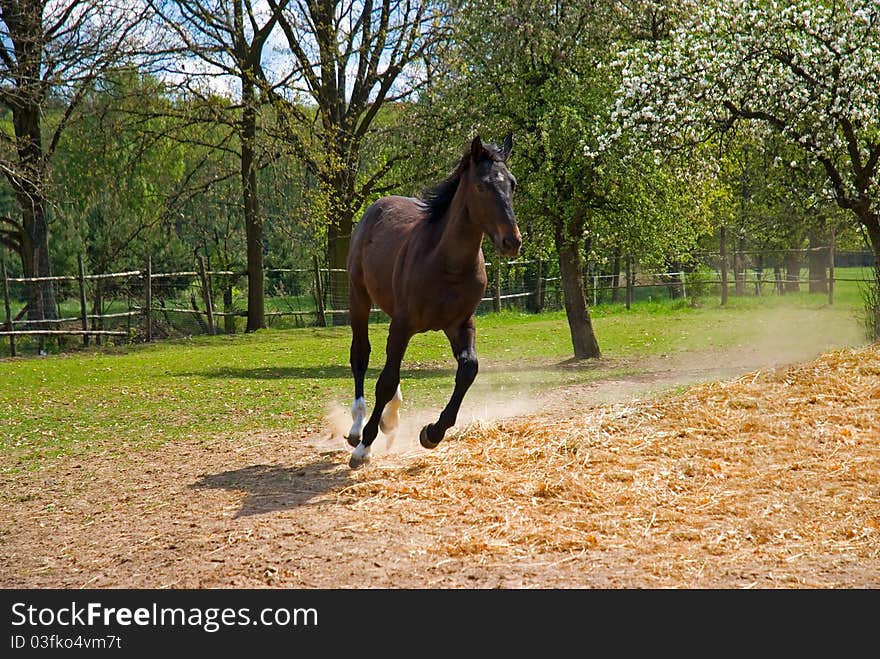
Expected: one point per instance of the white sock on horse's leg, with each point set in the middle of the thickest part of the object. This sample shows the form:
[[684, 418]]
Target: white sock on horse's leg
[[391, 413], [358, 414]]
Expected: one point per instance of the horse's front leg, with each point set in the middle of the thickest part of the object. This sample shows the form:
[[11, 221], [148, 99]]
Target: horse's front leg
[[359, 317], [360, 359], [386, 388], [462, 341]]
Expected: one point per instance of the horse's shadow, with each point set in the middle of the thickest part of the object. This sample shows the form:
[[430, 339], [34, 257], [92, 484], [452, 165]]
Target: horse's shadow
[[270, 488]]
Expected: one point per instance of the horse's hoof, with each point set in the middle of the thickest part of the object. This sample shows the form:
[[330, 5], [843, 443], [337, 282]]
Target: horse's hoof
[[353, 440], [424, 441], [357, 463], [359, 457]]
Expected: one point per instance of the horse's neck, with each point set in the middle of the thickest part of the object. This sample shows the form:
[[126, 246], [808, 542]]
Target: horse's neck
[[460, 242]]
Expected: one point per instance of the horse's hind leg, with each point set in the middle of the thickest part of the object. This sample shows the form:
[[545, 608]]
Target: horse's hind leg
[[462, 341], [391, 414], [359, 316]]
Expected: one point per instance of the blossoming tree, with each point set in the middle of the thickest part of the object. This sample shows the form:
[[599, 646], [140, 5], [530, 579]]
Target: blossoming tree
[[808, 70]]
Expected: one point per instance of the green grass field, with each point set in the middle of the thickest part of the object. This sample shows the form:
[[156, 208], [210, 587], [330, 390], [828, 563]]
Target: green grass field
[[204, 387]]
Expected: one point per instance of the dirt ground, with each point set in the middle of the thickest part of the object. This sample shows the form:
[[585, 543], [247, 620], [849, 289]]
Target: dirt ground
[[589, 486]]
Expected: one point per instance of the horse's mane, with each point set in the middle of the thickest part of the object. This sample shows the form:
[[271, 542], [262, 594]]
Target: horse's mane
[[438, 196]]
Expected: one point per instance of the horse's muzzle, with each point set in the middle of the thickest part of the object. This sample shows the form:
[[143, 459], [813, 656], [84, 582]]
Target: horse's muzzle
[[509, 246]]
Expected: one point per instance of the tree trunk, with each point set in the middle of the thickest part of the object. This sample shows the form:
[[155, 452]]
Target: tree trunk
[[338, 240], [723, 264], [35, 263], [256, 313], [792, 263], [583, 338], [539, 287], [339, 187], [759, 274], [29, 187], [817, 263], [871, 222], [739, 269]]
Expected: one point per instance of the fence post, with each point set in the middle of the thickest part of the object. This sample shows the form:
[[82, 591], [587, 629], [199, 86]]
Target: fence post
[[831, 269], [98, 308], [496, 299], [595, 290], [148, 300], [739, 275], [539, 293], [8, 309], [629, 280], [83, 308], [319, 293], [724, 275], [228, 307], [206, 293]]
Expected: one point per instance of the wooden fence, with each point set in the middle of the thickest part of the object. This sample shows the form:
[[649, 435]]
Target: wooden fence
[[146, 310], [531, 288]]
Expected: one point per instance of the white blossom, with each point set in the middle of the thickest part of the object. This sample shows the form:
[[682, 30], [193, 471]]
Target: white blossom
[[807, 69]]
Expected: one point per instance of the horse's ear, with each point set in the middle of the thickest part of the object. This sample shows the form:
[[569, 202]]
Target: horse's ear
[[477, 148], [506, 147]]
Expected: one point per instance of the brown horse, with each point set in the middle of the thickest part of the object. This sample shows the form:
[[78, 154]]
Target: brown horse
[[421, 261]]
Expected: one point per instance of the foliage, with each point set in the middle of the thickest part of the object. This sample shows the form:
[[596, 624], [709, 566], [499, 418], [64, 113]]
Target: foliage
[[805, 71], [349, 61], [543, 73], [113, 180], [640, 126], [51, 53]]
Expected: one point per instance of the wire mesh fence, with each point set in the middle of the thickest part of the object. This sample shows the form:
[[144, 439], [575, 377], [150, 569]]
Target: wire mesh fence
[[142, 305]]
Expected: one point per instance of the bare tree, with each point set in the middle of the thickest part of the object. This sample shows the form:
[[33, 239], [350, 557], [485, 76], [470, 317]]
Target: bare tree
[[51, 53], [352, 57], [224, 40]]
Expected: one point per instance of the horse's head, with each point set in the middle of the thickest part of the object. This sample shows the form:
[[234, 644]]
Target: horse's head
[[490, 195]]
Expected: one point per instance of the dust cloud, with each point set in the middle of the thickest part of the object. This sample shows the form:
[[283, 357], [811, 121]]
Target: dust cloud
[[477, 407], [778, 338]]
